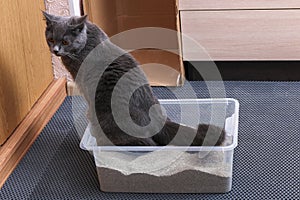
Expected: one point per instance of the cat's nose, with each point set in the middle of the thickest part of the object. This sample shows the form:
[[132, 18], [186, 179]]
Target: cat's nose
[[56, 50]]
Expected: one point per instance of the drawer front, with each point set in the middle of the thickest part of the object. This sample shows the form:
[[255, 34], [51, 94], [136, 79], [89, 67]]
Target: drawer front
[[241, 34], [237, 4]]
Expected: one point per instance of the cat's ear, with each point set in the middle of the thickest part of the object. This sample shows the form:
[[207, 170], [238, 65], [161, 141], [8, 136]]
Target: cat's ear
[[48, 17], [77, 24], [76, 21], [80, 20]]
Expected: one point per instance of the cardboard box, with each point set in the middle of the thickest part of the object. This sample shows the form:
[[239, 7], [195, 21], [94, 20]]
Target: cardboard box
[[143, 7], [152, 51]]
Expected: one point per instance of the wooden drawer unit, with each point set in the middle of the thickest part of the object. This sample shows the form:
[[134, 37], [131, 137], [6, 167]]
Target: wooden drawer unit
[[241, 31], [236, 4]]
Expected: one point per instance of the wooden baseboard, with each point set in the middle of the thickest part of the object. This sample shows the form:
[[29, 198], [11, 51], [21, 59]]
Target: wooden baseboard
[[26, 133]]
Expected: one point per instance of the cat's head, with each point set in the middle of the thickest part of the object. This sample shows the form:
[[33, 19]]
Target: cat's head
[[65, 36]]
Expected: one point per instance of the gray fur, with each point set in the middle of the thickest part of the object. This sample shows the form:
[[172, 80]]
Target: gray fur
[[87, 55]]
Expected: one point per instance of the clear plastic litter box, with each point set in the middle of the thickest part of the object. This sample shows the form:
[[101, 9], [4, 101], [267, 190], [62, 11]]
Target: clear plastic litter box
[[172, 169]]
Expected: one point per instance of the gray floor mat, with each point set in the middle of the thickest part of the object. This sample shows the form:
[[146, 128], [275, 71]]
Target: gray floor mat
[[266, 161]]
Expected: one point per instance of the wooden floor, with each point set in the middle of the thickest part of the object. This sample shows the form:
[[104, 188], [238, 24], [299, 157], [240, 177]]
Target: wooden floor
[[25, 134]]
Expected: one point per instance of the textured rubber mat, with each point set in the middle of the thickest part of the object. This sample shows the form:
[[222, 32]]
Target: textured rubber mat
[[266, 161]]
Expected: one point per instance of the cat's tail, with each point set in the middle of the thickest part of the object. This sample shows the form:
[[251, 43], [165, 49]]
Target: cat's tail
[[181, 135]]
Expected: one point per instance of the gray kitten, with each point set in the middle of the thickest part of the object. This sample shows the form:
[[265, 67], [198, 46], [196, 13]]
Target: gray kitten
[[97, 66]]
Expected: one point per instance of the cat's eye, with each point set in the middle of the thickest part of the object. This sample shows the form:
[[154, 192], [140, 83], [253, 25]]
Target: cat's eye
[[51, 40], [64, 42]]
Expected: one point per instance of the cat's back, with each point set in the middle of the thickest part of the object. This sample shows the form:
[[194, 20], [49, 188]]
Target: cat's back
[[95, 34]]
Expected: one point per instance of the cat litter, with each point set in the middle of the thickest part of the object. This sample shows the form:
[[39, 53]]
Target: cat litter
[[172, 169]]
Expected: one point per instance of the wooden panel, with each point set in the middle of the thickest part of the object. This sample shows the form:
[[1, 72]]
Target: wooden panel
[[15, 97], [236, 4], [242, 34], [26, 133], [25, 61], [37, 54]]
